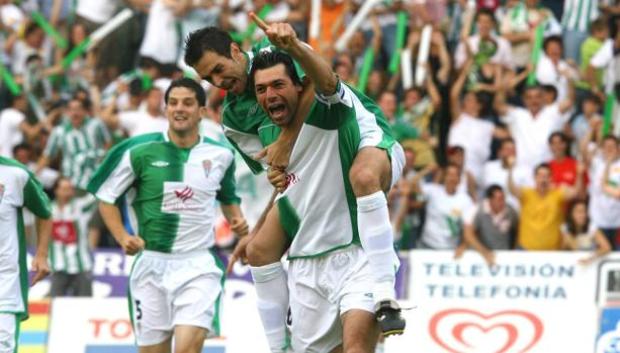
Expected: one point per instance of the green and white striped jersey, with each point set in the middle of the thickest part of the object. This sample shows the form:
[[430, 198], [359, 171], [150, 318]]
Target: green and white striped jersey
[[82, 149], [243, 118], [578, 14], [318, 209], [69, 249], [18, 189], [175, 188]]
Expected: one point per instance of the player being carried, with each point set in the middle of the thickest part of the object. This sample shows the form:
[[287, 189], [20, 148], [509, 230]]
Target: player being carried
[[377, 160], [19, 189], [175, 282]]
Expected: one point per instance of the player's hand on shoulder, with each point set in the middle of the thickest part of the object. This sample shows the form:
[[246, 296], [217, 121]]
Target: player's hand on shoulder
[[282, 35], [276, 155], [132, 244]]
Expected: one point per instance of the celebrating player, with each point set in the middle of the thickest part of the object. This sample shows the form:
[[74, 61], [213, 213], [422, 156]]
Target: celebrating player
[[177, 176], [378, 160], [19, 189]]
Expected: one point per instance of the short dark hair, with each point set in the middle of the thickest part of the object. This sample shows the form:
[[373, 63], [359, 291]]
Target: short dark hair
[[266, 60], [550, 89], [543, 165], [553, 39], [188, 83], [559, 134], [506, 140], [611, 137], [486, 12], [147, 62], [22, 146], [592, 98], [206, 39], [491, 190], [598, 25]]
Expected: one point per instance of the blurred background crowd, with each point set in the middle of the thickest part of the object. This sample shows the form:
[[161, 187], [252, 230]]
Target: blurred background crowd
[[510, 130]]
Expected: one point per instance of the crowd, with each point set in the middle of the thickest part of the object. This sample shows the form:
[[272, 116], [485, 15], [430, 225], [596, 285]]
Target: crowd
[[511, 136]]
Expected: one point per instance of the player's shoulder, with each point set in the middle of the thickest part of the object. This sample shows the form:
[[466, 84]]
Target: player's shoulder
[[137, 142], [15, 168], [223, 145]]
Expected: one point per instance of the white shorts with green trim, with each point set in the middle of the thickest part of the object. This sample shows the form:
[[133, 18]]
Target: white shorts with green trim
[[9, 333], [167, 290], [321, 290]]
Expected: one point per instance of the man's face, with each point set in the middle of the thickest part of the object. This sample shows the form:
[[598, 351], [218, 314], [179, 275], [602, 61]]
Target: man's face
[[507, 150], [485, 25], [276, 94], [452, 178], [554, 51], [557, 146], [610, 149], [543, 178], [182, 110], [497, 201], [533, 99], [226, 73], [388, 104], [76, 112], [22, 155], [154, 99]]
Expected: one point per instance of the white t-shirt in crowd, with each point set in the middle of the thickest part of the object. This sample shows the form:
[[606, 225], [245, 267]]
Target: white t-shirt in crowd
[[139, 122], [161, 40], [604, 210], [475, 136], [531, 133], [97, 11], [495, 173], [444, 216], [503, 55], [549, 74], [10, 133]]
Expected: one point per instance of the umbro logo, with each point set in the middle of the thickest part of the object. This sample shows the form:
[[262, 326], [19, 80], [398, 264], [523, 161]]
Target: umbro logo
[[160, 164]]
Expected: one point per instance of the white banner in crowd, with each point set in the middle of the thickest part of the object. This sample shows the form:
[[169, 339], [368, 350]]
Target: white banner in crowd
[[537, 302]]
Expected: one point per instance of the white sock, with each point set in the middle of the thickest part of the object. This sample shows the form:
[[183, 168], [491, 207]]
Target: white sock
[[377, 237], [272, 292]]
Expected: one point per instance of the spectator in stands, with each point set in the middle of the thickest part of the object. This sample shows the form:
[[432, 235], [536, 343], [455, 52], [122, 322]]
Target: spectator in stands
[[531, 126], [580, 233], [541, 209], [552, 69], [589, 119], [23, 153], [496, 172], [467, 182], [485, 24], [563, 166], [575, 22], [491, 225], [70, 248], [604, 174], [445, 207], [14, 128], [139, 121], [599, 32], [81, 140]]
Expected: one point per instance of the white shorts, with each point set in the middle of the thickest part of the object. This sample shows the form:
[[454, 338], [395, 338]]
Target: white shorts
[[9, 333], [321, 290], [166, 290]]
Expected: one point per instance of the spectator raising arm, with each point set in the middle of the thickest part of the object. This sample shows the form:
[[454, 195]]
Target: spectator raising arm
[[512, 186]]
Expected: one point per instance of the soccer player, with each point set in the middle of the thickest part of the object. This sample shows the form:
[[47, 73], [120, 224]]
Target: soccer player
[[213, 54], [329, 273], [175, 283], [19, 189]]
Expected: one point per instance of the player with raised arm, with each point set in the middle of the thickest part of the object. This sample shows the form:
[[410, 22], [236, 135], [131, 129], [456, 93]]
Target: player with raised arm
[[177, 176], [18, 189], [220, 61]]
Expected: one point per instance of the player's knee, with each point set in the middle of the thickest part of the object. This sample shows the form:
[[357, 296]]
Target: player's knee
[[260, 255], [364, 181]]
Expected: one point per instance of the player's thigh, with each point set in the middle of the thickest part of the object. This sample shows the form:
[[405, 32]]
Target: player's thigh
[[360, 331], [269, 243], [149, 306], [163, 347], [189, 339], [371, 171], [9, 333]]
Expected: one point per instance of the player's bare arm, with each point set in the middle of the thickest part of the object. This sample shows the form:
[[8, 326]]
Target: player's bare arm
[[112, 218]]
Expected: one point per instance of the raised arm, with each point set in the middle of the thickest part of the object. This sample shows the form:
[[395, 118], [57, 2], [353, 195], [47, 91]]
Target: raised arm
[[512, 187], [283, 36], [457, 88]]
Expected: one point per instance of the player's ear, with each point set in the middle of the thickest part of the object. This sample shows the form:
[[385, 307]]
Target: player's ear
[[235, 51]]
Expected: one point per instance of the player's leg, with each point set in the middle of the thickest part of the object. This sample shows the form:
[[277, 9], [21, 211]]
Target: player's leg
[[163, 347], [189, 339], [9, 333], [264, 252], [148, 306], [360, 332], [372, 173]]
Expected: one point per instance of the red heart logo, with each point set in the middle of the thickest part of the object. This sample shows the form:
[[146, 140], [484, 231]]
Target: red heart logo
[[464, 330]]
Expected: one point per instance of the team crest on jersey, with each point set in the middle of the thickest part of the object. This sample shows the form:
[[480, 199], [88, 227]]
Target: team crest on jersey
[[1, 191], [206, 166], [160, 164]]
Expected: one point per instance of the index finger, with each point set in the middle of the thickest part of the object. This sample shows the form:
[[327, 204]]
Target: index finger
[[260, 23]]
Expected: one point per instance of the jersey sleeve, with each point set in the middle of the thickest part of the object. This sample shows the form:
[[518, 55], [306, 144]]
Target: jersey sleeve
[[35, 199], [331, 111], [227, 195], [247, 145], [113, 177]]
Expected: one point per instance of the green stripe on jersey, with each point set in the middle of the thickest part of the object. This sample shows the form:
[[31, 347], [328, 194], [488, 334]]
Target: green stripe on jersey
[[23, 268]]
